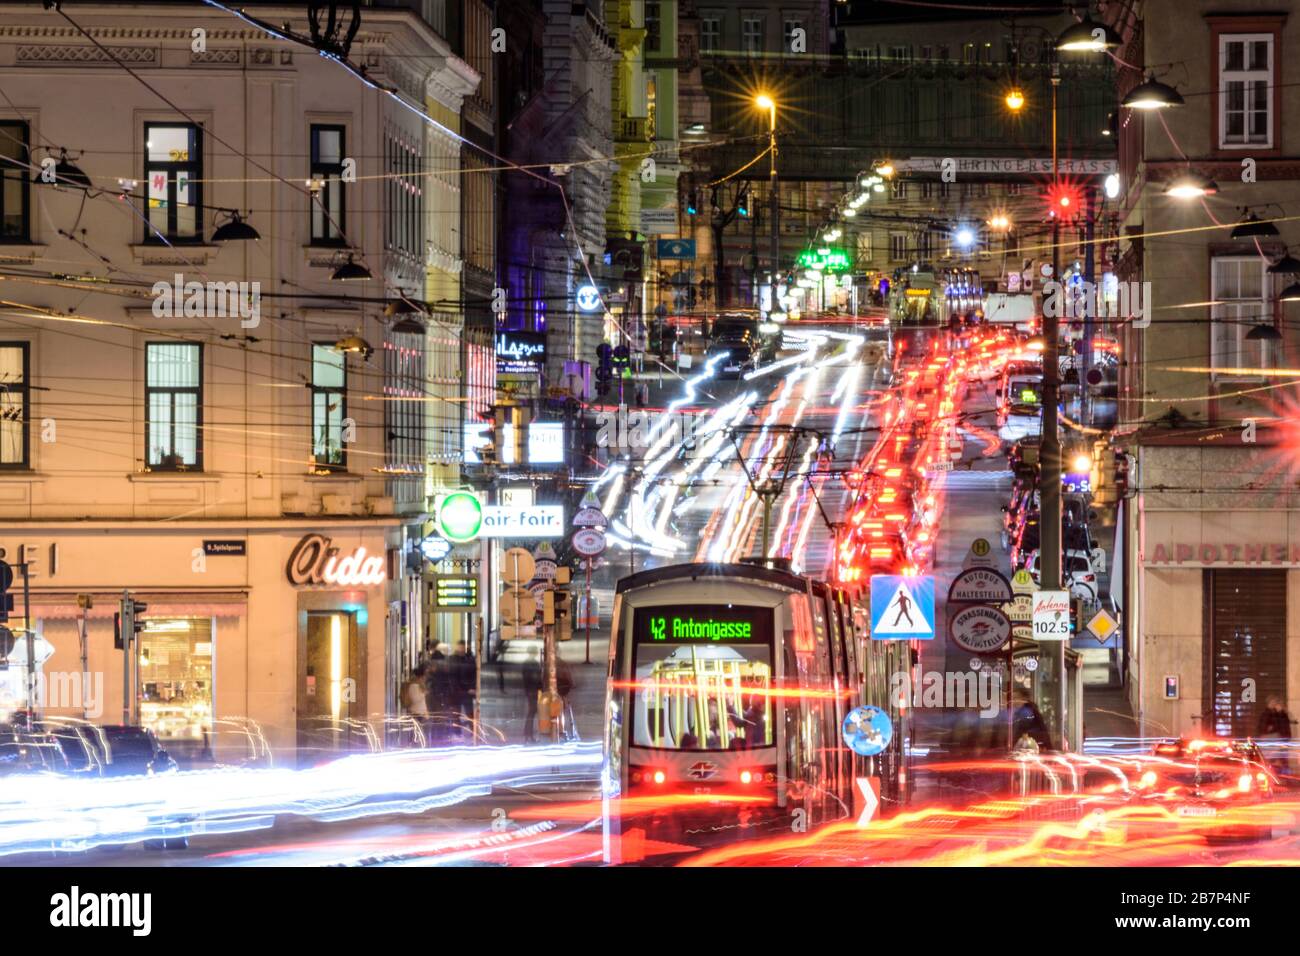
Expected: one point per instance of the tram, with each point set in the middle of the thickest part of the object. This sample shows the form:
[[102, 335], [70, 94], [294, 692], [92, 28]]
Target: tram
[[728, 686], [928, 298]]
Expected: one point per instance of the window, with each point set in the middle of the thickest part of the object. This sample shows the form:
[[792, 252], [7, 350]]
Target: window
[[173, 173], [968, 54], [945, 190], [176, 680], [944, 53], [925, 246], [1013, 189], [710, 33], [864, 247], [899, 54], [787, 33], [328, 211], [927, 189], [897, 247], [404, 224], [927, 54], [15, 398], [652, 23], [751, 35], [173, 389], [1245, 94], [329, 406], [15, 178], [1239, 289], [405, 403], [898, 189], [988, 53]]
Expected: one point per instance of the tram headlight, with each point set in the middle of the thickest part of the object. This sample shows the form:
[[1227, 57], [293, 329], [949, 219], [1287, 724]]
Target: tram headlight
[[746, 777], [660, 776]]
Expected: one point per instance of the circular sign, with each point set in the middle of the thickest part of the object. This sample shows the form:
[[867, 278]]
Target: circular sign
[[980, 629], [435, 549], [1020, 610], [518, 606], [460, 517], [976, 663], [1094, 376], [867, 730], [546, 570], [1031, 664], [983, 585], [588, 542], [589, 518], [588, 298], [517, 567], [979, 547]]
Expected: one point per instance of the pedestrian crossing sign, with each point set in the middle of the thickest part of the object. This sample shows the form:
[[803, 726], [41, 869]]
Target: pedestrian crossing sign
[[902, 608]]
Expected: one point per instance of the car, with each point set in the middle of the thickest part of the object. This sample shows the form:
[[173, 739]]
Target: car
[[23, 751], [1024, 540], [739, 351], [1203, 779], [129, 751], [1077, 575]]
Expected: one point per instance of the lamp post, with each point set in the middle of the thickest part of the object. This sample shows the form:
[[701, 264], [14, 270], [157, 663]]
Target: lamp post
[[1053, 682], [765, 102]]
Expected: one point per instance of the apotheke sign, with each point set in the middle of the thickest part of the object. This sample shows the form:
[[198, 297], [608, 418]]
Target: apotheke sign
[[1226, 555]]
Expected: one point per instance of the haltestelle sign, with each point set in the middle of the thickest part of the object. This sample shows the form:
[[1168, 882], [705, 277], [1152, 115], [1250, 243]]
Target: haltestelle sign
[[1208, 554], [314, 561]]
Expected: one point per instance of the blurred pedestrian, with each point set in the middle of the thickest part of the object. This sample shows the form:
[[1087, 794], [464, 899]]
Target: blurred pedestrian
[[532, 687]]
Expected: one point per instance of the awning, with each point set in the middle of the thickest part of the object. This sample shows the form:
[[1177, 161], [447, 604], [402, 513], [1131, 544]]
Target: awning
[[62, 606]]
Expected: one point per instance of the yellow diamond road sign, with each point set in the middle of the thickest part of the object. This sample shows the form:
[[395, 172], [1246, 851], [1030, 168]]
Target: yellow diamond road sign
[[1103, 625]]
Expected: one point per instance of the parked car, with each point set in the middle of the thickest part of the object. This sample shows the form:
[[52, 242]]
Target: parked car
[[1077, 575], [126, 751], [23, 751]]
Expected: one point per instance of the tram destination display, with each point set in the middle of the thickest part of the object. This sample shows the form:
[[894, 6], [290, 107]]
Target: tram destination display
[[703, 624]]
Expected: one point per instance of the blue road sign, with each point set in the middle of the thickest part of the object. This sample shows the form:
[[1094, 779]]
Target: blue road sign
[[675, 248], [902, 608], [867, 731]]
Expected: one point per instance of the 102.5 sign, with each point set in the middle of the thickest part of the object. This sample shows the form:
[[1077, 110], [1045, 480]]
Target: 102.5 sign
[[1051, 616]]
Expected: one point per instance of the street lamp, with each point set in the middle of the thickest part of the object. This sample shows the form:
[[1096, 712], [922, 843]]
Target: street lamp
[[1015, 99], [1152, 95], [1089, 36], [765, 102], [1191, 185]]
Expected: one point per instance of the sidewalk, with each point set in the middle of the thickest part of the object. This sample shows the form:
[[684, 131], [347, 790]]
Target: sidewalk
[[504, 704]]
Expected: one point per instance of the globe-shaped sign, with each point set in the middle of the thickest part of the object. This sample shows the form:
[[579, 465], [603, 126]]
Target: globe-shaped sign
[[461, 517], [867, 730]]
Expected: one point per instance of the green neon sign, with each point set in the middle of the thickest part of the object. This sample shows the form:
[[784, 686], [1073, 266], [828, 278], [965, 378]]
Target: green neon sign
[[696, 629], [825, 260], [460, 517], [1029, 396]]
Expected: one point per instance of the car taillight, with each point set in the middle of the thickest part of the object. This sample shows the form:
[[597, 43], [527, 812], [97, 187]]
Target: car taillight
[[1244, 783], [1148, 779]]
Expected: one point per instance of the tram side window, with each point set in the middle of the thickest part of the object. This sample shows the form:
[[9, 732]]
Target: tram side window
[[693, 697]]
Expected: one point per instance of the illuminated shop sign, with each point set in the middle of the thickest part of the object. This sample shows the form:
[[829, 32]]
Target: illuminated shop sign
[[314, 561], [521, 353], [703, 624], [825, 260], [545, 443]]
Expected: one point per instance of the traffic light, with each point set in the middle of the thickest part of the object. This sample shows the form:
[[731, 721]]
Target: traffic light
[[563, 611], [622, 357], [126, 622], [742, 204], [604, 368], [693, 204], [487, 452], [1121, 473]]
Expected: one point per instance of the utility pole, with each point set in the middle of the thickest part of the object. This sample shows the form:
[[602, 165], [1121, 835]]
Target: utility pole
[[1053, 680], [1097, 298]]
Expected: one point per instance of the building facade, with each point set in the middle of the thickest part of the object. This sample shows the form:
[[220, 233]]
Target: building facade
[[1214, 519], [221, 426]]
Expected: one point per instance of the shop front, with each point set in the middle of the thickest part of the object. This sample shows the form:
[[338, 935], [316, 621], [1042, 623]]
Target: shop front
[[250, 639], [1218, 616]]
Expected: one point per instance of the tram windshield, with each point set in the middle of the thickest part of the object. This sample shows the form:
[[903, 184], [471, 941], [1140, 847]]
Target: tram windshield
[[704, 678]]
